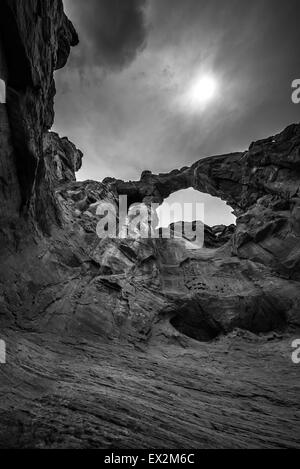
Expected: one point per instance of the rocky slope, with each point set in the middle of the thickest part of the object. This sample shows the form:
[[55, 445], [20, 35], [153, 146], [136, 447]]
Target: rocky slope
[[141, 342]]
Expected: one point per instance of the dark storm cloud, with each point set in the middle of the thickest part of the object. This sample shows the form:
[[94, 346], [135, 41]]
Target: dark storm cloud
[[112, 32]]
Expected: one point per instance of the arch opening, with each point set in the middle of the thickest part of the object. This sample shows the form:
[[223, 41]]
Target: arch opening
[[190, 205]]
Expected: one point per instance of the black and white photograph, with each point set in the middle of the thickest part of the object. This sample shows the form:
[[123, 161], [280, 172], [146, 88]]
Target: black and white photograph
[[149, 227]]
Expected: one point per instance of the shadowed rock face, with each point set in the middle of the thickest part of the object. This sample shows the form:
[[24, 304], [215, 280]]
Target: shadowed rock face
[[108, 337], [36, 38]]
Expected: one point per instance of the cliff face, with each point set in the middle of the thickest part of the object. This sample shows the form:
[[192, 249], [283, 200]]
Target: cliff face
[[36, 37], [75, 309]]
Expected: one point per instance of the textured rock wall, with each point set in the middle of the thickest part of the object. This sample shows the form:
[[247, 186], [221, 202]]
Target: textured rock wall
[[62, 158], [9, 184], [36, 37]]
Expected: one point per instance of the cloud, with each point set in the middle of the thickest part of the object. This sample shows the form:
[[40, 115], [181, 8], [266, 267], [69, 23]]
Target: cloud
[[124, 114], [112, 32]]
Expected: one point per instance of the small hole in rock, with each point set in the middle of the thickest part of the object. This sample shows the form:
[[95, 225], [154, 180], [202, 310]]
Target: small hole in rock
[[191, 322]]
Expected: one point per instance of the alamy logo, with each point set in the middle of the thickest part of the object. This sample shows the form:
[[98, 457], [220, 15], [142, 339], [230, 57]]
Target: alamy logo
[[296, 92], [2, 92], [2, 352], [296, 353], [141, 221]]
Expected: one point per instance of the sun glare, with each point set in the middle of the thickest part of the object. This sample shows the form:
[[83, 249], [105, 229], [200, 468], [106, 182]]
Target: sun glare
[[201, 91]]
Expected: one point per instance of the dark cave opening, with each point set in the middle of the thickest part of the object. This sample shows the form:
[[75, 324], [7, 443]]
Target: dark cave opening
[[192, 322], [17, 62], [16, 66], [201, 332], [258, 315]]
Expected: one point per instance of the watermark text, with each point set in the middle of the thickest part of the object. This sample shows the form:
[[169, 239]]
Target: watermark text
[[296, 352], [2, 352], [296, 92], [140, 221]]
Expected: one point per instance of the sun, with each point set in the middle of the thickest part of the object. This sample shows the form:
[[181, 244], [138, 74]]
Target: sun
[[201, 91]]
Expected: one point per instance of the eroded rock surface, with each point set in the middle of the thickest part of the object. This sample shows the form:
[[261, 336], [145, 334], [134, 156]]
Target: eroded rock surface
[[36, 37], [139, 342]]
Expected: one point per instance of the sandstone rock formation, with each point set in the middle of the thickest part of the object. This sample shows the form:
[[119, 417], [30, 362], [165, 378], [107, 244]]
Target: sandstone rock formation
[[35, 40], [138, 342]]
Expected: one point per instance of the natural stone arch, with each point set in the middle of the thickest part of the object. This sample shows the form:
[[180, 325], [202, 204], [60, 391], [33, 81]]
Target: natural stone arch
[[209, 176], [2, 91]]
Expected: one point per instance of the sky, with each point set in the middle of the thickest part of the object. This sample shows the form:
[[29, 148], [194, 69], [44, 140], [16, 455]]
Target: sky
[[159, 84], [189, 205]]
